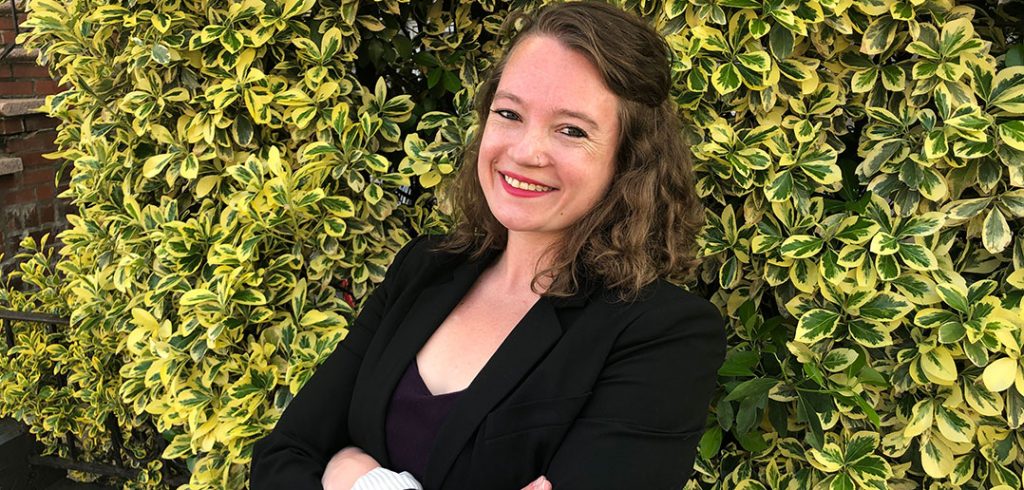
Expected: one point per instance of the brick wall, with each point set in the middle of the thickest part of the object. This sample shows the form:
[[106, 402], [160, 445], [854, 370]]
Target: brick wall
[[28, 202]]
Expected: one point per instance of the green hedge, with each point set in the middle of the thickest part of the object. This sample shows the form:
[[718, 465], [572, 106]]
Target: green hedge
[[243, 172]]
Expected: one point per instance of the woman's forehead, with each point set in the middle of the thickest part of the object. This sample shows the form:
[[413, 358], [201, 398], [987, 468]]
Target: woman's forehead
[[541, 70]]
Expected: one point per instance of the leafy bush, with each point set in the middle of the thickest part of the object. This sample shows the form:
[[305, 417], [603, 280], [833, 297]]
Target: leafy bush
[[244, 171]]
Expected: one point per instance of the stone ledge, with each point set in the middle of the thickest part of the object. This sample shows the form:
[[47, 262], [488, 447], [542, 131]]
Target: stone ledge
[[10, 165], [9, 429], [21, 55], [20, 107]]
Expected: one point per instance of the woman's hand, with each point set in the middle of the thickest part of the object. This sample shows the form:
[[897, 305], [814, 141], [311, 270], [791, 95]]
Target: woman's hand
[[539, 484], [346, 467]]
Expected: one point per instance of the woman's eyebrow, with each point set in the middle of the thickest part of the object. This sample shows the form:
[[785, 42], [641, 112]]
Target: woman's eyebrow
[[501, 94], [563, 112], [581, 116]]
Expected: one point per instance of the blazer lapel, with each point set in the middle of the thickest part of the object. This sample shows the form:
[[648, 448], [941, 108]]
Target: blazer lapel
[[430, 308], [528, 342]]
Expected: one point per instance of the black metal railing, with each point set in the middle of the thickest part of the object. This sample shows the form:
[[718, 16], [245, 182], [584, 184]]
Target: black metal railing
[[7, 319]]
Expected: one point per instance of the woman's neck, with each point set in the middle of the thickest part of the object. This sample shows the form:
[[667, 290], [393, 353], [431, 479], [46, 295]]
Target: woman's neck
[[524, 256]]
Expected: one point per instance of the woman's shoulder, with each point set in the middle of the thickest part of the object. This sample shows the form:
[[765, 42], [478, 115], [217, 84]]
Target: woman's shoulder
[[659, 294], [425, 252], [662, 307]]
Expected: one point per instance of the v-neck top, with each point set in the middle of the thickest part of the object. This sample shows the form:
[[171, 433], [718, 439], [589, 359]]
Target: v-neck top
[[414, 417]]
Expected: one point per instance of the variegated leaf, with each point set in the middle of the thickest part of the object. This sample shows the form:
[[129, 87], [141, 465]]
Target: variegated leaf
[[816, 325], [884, 244], [879, 35], [938, 366], [922, 225], [917, 289], [804, 275], [954, 295], [1008, 90], [829, 458], [860, 445], [839, 359], [917, 257], [885, 307], [996, 234], [933, 185], [869, 334], [864, 80], [852, 256], [934, 317], [842, 481], [887, 266], [801, 246], [726, 78], [953, 425], [921, 416], [871, 471], [983, 400], [963, 469], [1012, 133], [936, 457], [1000, 374], [758, 61]]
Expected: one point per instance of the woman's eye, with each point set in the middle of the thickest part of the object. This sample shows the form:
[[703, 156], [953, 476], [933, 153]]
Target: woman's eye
[[507, 114], [574, 132]]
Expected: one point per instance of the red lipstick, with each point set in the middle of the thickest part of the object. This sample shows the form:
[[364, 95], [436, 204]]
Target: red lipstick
[[522, 192]]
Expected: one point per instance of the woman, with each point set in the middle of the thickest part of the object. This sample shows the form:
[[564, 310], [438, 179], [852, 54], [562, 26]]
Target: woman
[[541, 337]]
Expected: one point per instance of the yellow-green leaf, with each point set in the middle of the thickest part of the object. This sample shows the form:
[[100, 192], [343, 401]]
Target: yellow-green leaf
[[879, 35], [917, 257], [321, 319], [938, 366], [801, 246], [726, 79], [839, 359], [885, 307], [758, 61], [955, 426], [936, 457], [864, 80], [921, 416], [954, 295], [1008, 90], [1000, 374], [179, 447], [829, 458], [1012, 133], [816, 325], [996, 234]]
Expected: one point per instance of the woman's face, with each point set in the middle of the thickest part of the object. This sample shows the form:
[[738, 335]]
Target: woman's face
[[547, 155]]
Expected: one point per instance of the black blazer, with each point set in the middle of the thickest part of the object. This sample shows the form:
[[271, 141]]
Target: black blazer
[[592, 393]]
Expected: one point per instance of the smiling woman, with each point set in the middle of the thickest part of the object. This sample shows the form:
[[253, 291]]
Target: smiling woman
[[550, 137], [540, 341], [644, 225]]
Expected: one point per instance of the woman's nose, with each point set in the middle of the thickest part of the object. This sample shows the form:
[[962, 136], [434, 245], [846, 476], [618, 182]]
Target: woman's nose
[[531, 149]]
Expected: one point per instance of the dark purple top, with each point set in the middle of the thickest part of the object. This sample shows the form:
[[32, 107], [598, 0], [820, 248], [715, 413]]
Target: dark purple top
[[413, 419]]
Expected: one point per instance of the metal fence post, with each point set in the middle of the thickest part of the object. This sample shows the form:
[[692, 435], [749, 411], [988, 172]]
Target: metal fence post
[[9, 332]]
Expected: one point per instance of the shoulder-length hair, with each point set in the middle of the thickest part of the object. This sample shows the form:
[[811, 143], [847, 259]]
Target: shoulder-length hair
[[645, 226]]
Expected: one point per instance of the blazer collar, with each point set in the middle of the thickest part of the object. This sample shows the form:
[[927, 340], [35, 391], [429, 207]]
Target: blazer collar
[[528, 342]]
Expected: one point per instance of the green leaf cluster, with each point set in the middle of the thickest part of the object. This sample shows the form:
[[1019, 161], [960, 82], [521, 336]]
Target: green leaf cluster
[[242, 174]]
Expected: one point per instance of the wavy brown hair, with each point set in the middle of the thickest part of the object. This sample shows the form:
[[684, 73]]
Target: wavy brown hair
[[645, 226]]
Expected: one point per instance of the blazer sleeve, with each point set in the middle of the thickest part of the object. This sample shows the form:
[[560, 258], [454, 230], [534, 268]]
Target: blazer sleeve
[[646, 414], [314, 426]]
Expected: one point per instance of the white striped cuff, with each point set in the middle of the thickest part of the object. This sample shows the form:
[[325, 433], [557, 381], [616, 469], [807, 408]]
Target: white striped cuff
[[385, 479]]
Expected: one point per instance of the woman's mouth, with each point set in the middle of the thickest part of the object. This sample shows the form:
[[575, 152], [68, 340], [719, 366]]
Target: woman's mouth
[[517, 184]]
